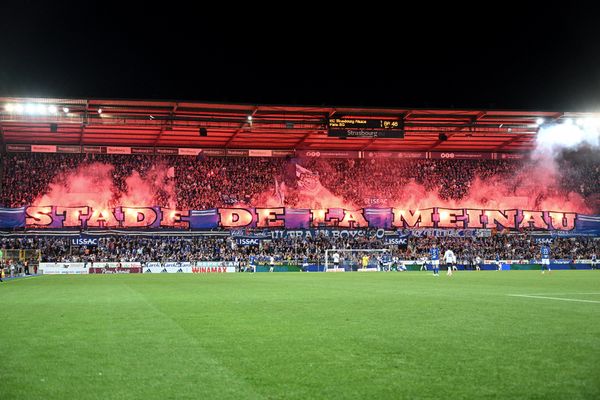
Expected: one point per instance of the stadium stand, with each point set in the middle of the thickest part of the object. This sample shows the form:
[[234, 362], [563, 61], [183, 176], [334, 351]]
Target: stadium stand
[[180, 249], [221, 182]]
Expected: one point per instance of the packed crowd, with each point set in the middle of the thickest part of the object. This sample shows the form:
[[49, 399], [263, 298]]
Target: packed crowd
[[383, 180], [207, 182], [223, 248]]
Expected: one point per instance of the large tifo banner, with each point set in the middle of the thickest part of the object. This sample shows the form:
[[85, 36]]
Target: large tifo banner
[[84, 217]]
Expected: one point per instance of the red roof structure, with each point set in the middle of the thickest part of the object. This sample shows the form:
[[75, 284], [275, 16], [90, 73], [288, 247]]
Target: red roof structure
[[207, 125]]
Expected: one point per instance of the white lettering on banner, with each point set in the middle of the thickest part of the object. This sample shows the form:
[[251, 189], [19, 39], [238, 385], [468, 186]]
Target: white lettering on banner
[[215, 264], [84, 242], [411, 155], [397, 241], [260, 153], [334, 233], [189, 151], [313, 154], [517, 156], [118, 270], [447, 155], [112, 264], [118, 150], [131, 264], [99, 264], [424, 232], [472, 156], [248, 242], [36, 148]]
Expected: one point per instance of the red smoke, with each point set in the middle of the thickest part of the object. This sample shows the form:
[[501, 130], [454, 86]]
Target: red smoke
[[92, 185], [535, 186]]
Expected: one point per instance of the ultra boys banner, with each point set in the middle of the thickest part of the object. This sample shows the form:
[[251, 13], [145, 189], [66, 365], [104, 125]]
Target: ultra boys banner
[[57, 217]]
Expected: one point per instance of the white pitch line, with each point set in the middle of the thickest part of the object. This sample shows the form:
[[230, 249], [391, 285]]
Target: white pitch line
[[553, 298], [554, 294]]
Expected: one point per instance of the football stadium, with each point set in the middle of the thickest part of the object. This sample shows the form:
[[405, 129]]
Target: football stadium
[[163, 249]]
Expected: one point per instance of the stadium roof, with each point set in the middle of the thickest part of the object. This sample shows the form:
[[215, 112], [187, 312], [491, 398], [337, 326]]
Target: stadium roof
[[179, 124]]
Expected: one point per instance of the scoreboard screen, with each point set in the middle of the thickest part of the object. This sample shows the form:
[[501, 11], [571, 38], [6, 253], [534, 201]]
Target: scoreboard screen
[[365, 128]]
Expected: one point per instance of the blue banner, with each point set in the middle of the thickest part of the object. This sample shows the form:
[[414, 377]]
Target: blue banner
[[585, 225], [400, 240], [447, 232], [204, 219], [12, 217], [327, 232]]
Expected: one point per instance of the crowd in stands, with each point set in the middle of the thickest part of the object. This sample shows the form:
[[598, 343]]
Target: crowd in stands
[[208, 182], [164, 249], [449, 179], [220, 182]]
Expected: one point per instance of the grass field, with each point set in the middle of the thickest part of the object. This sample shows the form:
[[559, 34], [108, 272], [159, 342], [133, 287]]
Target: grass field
[[299, 336]]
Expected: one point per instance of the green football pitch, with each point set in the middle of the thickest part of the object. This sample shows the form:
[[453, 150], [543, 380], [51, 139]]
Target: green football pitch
[[504, 335]]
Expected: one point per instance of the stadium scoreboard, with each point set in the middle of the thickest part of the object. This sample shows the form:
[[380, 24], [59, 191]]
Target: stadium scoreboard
[[365, 128]]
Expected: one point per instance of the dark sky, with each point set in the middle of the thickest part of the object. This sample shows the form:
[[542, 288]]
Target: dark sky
[[515, 57]]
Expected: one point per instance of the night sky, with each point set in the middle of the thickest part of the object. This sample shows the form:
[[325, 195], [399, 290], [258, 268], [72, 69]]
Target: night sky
[[516, 57]]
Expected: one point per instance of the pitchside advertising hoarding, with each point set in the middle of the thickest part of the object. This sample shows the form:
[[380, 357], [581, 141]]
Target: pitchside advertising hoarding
[[57, 217], [199, 267], [167, 268], [63, 268], [90, 268]]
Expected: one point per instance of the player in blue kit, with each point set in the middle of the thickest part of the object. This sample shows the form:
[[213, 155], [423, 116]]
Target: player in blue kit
[[305, 263], [434, 254], [545, 251], [386, 261], [498, 263], [252, 263]]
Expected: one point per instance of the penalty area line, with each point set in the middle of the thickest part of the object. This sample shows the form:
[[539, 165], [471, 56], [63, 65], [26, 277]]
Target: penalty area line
[[553, 298]]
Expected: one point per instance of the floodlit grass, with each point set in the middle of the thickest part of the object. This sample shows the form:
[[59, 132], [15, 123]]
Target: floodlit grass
[[300, 336]]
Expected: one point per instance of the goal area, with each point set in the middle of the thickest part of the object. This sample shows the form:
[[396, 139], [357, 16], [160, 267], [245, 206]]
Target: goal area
[[353, 259]]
